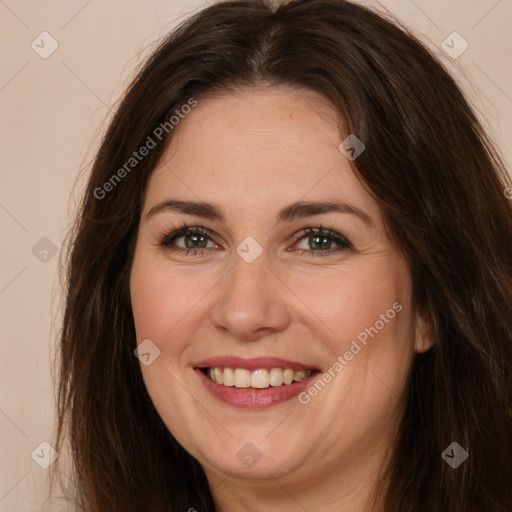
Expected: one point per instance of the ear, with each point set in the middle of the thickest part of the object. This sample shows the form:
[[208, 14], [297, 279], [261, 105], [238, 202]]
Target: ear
[[423, 332]]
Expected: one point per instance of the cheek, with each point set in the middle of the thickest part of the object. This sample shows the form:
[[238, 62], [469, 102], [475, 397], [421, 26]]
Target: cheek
[[347, 302], [161, 299], [161, 304]]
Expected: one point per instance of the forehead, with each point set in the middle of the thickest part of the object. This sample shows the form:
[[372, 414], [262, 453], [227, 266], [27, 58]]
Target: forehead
[[258, 149]]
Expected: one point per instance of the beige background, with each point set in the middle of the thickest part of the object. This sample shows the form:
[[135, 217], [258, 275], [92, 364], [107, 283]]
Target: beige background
[[52, 112]]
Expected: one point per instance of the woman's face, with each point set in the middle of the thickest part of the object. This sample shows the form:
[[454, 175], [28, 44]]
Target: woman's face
[[250, 292]]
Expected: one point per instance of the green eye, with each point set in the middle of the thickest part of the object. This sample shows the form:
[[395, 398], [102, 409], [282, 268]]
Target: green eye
[[320, 241]]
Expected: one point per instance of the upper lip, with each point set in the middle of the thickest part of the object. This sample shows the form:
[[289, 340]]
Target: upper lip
[[255, 363]]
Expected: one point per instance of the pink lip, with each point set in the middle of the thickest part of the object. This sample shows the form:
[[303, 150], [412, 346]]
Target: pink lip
[[250, 364], [249, 398]]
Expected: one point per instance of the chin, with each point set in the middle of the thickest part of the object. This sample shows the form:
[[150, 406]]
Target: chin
[[252, 457]]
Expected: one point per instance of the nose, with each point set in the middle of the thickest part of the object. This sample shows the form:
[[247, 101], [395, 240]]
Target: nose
[[253, 301]]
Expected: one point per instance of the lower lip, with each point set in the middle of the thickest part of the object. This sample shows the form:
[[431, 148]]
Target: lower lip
[[250, 398]]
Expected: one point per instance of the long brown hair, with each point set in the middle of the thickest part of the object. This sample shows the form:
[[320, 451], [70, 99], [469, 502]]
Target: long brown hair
[[440, 185]]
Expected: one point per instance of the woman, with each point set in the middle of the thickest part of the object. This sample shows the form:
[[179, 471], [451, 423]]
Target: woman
[[297, 225]]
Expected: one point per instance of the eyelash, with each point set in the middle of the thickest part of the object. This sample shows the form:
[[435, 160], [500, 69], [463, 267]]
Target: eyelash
[[166, 239]]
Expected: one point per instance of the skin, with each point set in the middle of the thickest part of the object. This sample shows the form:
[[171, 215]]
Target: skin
[[251, 153]]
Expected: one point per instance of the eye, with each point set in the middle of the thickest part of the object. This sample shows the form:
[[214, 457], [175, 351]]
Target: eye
[[194, 239], [319, 242]]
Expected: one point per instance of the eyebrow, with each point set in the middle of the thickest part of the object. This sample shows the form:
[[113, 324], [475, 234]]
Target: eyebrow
[[297, 210]]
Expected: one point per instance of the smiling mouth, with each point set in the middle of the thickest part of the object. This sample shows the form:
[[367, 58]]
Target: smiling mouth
[[262, 378]]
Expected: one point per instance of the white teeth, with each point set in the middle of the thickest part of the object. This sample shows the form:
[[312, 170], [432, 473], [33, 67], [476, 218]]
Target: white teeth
[[259, 379], [218, 375], [242, 378], [276, 377], [229, 377]]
